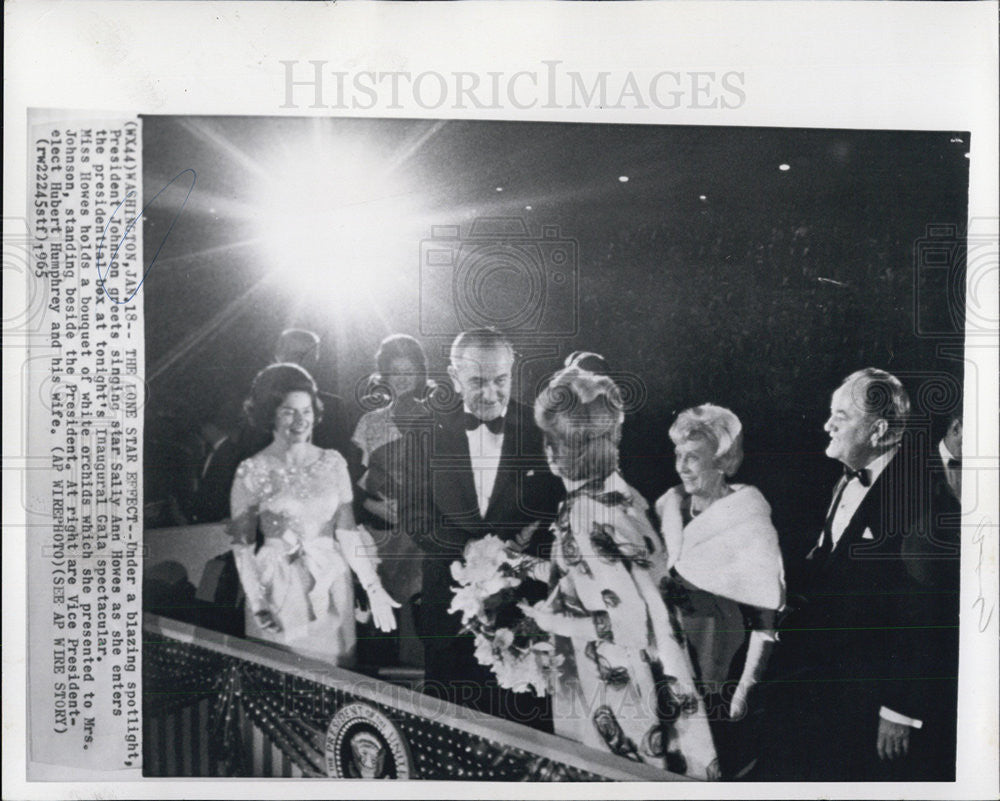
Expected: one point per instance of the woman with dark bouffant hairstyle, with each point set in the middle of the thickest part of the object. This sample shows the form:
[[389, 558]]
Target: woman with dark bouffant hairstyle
[[398, 389], [626, 684], [298, 585]]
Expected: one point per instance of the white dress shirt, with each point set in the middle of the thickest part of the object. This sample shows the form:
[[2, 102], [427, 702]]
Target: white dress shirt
[[854, 493], [484, 453], [946, 454], [952, 475]]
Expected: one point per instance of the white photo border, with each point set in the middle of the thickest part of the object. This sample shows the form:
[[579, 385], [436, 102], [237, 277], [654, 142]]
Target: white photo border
[[861, 65]]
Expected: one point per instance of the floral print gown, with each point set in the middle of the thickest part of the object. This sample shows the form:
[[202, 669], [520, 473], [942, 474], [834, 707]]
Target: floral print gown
[[629, 688], [301, 573]]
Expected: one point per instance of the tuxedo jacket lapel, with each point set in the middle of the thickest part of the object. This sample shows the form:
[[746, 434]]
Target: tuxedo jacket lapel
[[871, 515], [454, 489]]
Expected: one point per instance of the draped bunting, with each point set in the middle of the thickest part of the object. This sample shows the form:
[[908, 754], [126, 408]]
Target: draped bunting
[[293, 713]]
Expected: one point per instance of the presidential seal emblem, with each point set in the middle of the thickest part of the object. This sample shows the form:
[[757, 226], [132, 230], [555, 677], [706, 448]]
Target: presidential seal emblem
[[362, 743]]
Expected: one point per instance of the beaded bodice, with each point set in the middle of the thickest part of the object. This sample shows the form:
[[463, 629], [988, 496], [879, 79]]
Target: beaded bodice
[[297, 499]]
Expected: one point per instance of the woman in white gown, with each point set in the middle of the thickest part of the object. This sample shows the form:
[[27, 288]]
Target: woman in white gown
[[298, 584]]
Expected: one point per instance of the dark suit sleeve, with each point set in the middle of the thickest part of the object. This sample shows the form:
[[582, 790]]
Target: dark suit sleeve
[[420, 519], [907, 638], [927, 640], [924, 611], [438, 540], [418, 515], [211, 501]]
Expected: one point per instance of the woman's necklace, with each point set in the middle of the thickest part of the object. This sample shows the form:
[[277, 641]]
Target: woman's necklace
[[296, 461]]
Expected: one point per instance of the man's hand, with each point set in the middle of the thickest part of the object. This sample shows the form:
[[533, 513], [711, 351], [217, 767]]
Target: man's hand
[[523, 537], [384, 508], [266, 620], [893, 739]]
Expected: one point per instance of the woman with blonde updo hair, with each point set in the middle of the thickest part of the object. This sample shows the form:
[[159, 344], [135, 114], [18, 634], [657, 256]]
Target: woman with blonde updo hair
[[725, 579], [625, 684]]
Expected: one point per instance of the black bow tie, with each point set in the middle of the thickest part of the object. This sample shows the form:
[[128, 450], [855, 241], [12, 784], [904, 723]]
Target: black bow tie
[[862, 475], [954, 464], [472, 423]]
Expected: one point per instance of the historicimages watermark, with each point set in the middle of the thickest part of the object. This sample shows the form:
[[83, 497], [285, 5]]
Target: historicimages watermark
[[547, 85]]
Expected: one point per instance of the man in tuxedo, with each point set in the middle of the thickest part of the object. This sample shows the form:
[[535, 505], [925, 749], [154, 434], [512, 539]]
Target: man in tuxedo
[[851, 690], [483, 472]]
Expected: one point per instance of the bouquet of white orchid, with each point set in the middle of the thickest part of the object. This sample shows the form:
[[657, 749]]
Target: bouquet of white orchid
[[511, 644]]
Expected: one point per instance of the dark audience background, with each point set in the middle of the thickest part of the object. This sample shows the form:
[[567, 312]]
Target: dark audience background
[[709, 275]]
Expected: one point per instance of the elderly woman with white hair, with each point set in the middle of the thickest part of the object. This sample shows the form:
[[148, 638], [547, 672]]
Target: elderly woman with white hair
[[626, 684], [725, 578]]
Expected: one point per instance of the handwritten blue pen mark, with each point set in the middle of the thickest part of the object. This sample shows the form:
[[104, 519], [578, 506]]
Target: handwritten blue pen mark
[[101, 277]]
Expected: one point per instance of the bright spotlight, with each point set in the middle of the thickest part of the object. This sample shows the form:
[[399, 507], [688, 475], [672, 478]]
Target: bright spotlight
[[623, 179], [784, 167], [332, 222]]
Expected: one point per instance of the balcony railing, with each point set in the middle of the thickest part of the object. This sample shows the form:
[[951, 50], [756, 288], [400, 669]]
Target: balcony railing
[[218, 705]]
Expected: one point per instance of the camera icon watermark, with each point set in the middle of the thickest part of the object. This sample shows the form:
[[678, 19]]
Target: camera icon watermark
[[499, 273], [955, 280]]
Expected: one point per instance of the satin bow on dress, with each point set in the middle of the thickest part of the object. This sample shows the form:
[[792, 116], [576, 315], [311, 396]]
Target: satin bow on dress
[[300, 574]]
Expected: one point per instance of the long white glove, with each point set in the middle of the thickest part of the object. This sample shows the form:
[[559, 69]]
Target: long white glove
[[359, 550], [758, 652], [382, 605]]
